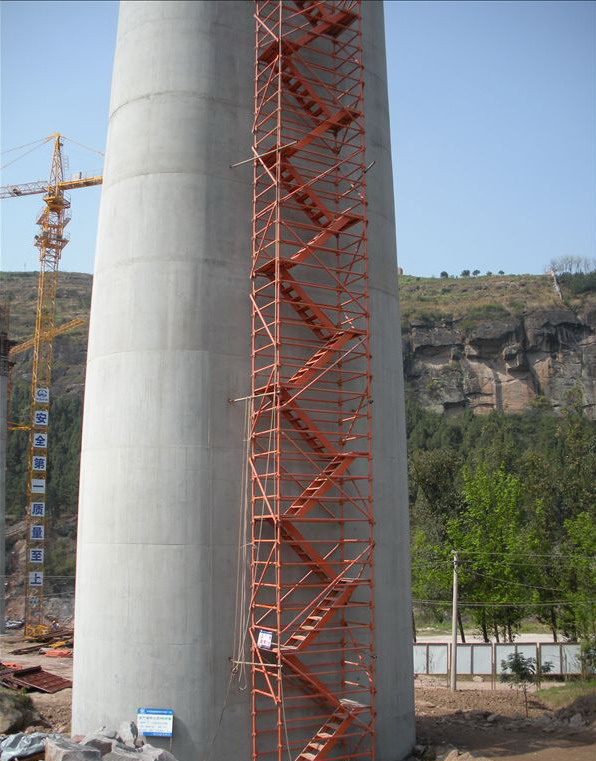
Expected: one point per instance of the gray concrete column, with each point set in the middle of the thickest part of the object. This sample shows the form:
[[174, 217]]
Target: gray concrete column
[[169, 344], [393, 610]]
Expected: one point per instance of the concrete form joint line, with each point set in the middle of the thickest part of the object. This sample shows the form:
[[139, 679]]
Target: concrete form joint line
[[228, 177], [162, 93], [136, 352]]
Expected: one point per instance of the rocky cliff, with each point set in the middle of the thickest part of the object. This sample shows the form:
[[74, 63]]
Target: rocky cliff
[[484, 343], [502, 362]]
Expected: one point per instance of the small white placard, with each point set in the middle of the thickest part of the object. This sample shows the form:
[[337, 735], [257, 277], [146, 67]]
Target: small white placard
[[265, 640], [40, 417], [42, 395], [39, 462], [38, 485], [40, 440], [36, 579], [155, 722], [38, 509]]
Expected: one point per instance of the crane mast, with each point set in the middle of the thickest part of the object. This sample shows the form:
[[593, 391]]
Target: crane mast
[[50, 241]]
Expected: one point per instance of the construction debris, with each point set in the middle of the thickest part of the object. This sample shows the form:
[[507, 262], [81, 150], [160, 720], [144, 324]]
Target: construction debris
[[60, 749], [18, 677], [103, 745], [57, 635], [59, 639], [21, 745]]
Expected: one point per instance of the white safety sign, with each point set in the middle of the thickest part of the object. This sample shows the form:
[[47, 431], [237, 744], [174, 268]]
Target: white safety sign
[[42, 395], [155, 722], [265, 640]]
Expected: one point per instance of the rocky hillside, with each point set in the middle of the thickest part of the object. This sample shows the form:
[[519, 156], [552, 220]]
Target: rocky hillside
[[484, 343], [499, 343], [73, 299]]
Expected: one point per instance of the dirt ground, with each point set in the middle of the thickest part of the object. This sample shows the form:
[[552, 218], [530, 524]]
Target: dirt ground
[[487, 723], [460, 720]]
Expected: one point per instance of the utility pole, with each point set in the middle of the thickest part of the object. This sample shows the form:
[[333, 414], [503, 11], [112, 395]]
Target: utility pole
[[454, 626]]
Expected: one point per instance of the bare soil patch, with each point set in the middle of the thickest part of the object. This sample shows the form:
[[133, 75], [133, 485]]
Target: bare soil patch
[[493, 724]]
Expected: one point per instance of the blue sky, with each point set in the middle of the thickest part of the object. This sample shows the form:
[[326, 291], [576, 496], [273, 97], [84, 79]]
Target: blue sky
[[493, 119]]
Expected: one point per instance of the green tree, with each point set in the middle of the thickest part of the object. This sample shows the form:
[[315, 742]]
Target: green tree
[[465, 273], [580, 577], [490, 536], [577, 440], [435, 497], [444, 273], [520, 672]]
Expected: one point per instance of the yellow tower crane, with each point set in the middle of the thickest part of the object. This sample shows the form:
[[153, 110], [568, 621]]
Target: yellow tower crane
[[50, 241]]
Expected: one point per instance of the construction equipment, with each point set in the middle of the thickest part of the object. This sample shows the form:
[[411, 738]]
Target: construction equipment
[[50, 241], [28, 344]]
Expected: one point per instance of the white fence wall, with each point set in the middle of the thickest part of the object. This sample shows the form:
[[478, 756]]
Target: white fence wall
[[486, 659]]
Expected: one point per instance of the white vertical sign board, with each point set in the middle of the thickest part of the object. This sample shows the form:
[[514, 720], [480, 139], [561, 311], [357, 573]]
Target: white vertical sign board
[[42, 395], [155, 722]]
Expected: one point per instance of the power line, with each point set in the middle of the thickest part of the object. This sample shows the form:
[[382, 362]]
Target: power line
[[518, 583], [551, 555], [554, 563], [506, 604]]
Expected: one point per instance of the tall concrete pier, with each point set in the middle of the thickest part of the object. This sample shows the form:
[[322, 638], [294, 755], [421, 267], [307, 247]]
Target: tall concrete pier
[[169, 345], [393, 623]]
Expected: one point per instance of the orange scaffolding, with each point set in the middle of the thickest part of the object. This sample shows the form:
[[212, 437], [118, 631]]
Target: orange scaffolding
[[311, 628]]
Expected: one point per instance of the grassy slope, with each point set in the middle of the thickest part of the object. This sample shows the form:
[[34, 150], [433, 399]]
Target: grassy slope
[[557, 697], [436, 299]]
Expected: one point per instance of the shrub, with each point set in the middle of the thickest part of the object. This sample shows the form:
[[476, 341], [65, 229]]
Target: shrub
[[579, 282], [521, 672]]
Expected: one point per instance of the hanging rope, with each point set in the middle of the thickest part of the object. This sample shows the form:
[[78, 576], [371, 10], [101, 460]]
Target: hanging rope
[[241, 622]]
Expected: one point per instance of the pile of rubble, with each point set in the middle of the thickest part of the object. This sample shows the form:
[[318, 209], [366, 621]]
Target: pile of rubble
[[574, 717], [429, 753], [103, 745]]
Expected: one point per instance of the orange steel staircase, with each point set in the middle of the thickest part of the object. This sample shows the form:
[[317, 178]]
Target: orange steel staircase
[[312, 611]]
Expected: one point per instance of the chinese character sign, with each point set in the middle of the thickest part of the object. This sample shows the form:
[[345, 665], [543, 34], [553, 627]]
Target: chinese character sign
[[42, 395], [40, 417], [265, 640], [36, 556], [36, 578], [37, 532], [39, 463], [38, 485], [38, 509], [155, 722], [40, 440]]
